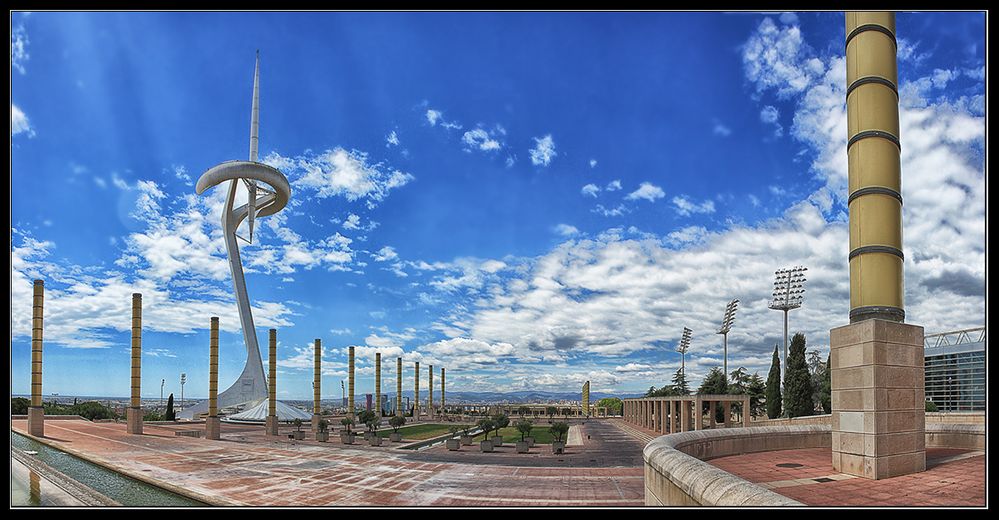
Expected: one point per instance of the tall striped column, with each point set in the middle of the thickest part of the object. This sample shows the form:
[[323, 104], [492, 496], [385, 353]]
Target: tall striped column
[[875, 175], [876, 362], [350, 383], [272, 420], [442, 389], [416, 397], [133, 416], [430, 390], [213, 426], [36, 413], [586, 398], [378, 383], [398, 387], [317, 410]]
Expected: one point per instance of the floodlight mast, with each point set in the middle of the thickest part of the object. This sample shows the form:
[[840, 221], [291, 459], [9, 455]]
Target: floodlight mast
[[789, 290], [727, 323], [682, 349]]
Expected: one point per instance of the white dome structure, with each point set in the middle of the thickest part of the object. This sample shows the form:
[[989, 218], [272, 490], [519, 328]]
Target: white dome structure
[[258, 413]]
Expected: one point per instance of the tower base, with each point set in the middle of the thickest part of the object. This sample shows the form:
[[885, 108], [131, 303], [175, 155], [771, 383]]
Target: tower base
[[271, 426], [213, 428], [36, 421], [878, 418], [133, 416]]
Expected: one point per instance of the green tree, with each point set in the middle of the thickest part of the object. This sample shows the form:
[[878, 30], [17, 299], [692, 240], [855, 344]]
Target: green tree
[[19, 406], [773, 397], [92, 410], [757, 390], [714, 383], [825, 394], [614, 405], [170, 414], [486, 425], [738, 381], [501, 421], [558, 430], [931, 406], [524, 427], [396, 422], [797, 381], [680, 386]]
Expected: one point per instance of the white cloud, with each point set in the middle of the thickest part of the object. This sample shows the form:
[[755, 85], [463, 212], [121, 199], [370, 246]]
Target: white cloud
[[565, 230], [433, 116], [19, 47], [789, 18], [352, 222], [181, 173], [778, 58], [19, 122], [385, 254], [687, 235], [479, 139], [392, 139], [609, 212], [339, 172], [771, 116], [720, 129], [684, 206], [590, 190], [614, 185], [543, 151], [593, 162], [647, 191]]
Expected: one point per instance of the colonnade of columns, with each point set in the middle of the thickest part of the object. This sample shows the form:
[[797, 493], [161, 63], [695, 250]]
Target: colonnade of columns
[[680, 414]]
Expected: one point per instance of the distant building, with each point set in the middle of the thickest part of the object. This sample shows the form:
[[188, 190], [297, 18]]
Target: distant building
[[955, 370]]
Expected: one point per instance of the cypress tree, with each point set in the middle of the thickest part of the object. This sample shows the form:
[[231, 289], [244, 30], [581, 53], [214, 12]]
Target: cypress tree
[[798, 381], [170, 415], [773, 387], [826, 392]]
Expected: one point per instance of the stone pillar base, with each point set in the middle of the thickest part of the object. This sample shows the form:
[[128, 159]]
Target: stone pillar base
[[271, 426], [36, 421], [315, 422], [133, 417], [878, 418], [213, 428]]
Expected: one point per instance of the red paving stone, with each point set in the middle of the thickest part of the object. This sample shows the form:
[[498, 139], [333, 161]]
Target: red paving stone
[[952, 478], [246, 467]]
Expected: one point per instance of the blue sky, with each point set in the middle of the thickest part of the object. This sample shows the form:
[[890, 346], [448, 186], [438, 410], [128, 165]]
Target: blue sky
[[531, 200]]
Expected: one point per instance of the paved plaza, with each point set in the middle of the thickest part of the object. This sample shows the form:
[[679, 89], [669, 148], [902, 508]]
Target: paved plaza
[[246, 467]]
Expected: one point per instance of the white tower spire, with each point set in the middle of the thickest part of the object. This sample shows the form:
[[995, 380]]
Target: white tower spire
[[255, 112]]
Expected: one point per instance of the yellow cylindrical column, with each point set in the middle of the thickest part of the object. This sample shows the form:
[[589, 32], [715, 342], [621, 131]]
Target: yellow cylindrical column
[[586, 398], [416, 392], [36, 413], [213, 425], [350, 383], [272, 421], [873, 149], [378, 383], [442, 389], [133, 416], [213, 369], [430, 390], [317, 384], [398, 387]]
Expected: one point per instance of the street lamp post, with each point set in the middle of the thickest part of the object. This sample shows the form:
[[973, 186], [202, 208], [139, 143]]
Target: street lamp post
[[789, 289], [727, 326], [162, 382]]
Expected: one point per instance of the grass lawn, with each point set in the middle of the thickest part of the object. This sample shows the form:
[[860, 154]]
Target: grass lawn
[[418, 432], [510, 434]]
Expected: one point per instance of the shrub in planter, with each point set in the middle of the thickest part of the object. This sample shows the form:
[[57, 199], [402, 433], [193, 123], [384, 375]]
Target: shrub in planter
[[323, 434], [466, 439], [501, 421], [347, 435], [524, 427], [558, 431], [487, 425], [486, 446], [298, 433], [396, 422], [375, 440]]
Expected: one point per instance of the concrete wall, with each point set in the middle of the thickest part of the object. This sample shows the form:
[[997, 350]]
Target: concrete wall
[[931, 418], [962, 436]]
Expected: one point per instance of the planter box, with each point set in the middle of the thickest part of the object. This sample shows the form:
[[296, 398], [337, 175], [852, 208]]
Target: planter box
[[298, 435], [369, 435], [466, 440], [453, 444], [322, 436], [497, 441], [523, 447], [395, 437], [530, 441], [375, 440], [486, 446], [347, 438], [558, 448]]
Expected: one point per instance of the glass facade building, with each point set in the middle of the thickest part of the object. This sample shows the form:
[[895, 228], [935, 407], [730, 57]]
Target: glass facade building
[[955, 370]]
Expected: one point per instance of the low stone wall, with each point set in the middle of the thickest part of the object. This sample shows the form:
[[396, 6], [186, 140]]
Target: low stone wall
[[676, 474], [50, 418], [963, 436], [810, 420], [826, 420]]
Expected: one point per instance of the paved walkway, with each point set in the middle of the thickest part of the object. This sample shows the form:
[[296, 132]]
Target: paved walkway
[[952, 478], [248, 468]]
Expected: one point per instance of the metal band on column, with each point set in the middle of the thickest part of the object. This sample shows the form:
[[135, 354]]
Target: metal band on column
[[213, 368], [875, 201]]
